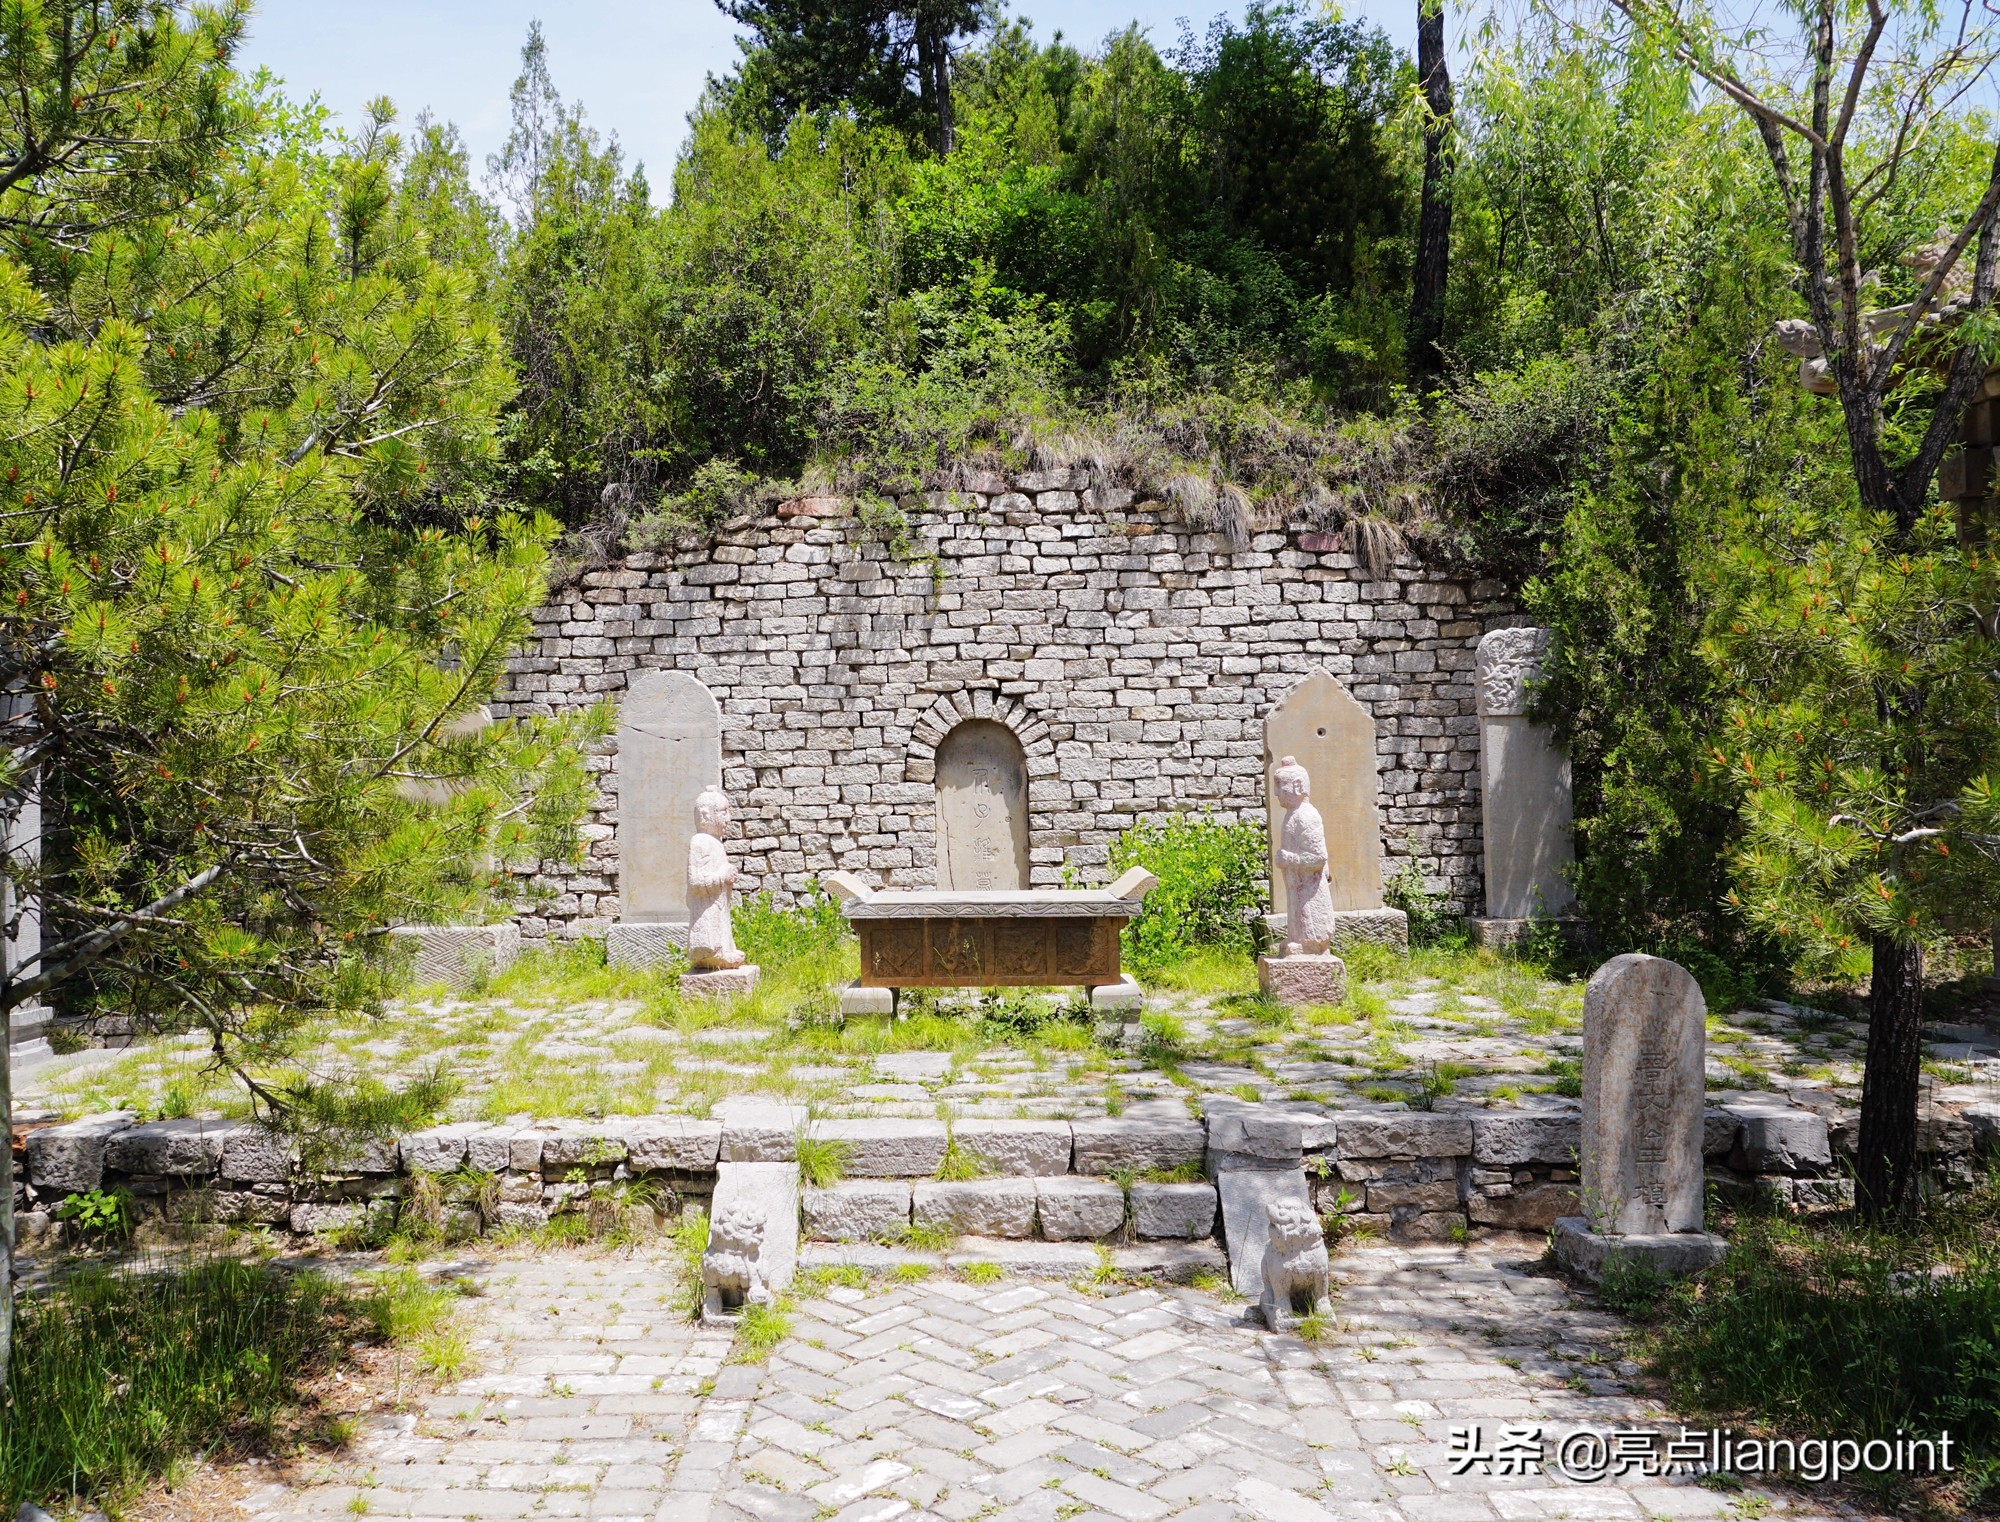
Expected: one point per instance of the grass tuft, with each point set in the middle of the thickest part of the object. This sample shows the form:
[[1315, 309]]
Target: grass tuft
[[120, 1380]]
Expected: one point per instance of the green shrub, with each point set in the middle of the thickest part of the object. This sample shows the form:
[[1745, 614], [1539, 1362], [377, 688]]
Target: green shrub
[[775, 937], [1434, 920], [1213, 885]]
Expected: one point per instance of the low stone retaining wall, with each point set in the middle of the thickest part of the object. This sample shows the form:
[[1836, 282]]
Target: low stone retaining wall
[[1408, 1174]]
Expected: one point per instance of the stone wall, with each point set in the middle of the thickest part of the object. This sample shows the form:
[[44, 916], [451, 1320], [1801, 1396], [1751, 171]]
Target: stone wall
[[1408, 1175], [1133, 658]]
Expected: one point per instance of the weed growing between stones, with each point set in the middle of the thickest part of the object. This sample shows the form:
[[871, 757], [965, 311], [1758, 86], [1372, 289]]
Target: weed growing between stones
[[122, 1379], [822, 1160], [759, 1329]]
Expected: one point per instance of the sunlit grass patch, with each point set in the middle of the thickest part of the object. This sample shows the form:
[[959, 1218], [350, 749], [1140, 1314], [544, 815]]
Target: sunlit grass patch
[[575, 972], [121, 1380], [1206, 970]]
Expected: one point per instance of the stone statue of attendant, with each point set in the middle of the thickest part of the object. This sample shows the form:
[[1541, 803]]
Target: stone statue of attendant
[[1302, 858], [710, 877]]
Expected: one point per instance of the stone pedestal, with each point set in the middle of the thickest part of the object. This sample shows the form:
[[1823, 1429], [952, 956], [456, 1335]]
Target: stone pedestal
[[1509, 935], [720, 982], [1296, 982], [1668, 1254], [458, 956], [1356, 927], [632, 944], [856, 1000], [1115, 1009]]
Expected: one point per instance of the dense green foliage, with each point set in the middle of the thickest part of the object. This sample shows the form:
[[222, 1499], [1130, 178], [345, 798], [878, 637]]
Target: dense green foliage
[[255, 580], [1213, 884]]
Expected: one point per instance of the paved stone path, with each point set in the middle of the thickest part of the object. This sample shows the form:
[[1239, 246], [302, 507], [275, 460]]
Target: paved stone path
[[1019, 1400]]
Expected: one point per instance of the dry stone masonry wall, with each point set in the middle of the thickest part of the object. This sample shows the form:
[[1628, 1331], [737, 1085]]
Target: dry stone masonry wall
[[1132, 658]]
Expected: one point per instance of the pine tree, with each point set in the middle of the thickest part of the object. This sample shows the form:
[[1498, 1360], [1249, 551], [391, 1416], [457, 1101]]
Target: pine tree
[[1866, 741], [250, 598]]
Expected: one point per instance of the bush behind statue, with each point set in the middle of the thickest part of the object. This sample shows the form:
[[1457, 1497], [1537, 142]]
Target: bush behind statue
[[1213, 886]]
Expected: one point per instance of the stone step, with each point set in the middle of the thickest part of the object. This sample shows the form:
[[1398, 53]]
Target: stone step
[[1065, 1208], [1173, 1262]]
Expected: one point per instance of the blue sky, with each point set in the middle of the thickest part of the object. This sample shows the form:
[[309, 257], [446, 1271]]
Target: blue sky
[[637, 65]]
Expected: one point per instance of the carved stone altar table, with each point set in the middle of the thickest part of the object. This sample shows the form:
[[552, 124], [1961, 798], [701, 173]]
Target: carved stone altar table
[[948, 938]]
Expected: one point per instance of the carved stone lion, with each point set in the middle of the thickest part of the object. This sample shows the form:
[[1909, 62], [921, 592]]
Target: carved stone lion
[[1295, 1265], [732, 1270]]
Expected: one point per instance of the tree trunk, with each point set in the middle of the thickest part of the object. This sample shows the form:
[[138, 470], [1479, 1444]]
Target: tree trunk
[[1434, 219], [1886, 1175], [934, 80], [6, 1202]]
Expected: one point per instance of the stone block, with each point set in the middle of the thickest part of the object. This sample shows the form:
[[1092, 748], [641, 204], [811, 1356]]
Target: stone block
[[1116, 1145], [635, 944], [1779, 1139], [983, 1208], [1718, 1134], [1079, 1209], [1255, 1131], [1035, 1148], [856, 1210], [170, 1148], [580, 1144], [1396, 1133], [1300, 981], [669, 749], [1509, 935], [246, 1207], [1535, 1208], [256, 1154], [460, 957], [1426, 1225], [359, 1154], [70, 1158], [1173, 1211], [1501, 1140], [721, 982], [884, 1148], [1123, 997], [1247, 1197], [1426, 1195], [374, 1216], [856, 1000], [1672, 1255], [757, 1131], [674, 1144], [1371, 927], [441, 1149]]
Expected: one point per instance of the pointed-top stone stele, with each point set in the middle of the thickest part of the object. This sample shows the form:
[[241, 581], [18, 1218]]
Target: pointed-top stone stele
[[1333, 737], [669, 752]]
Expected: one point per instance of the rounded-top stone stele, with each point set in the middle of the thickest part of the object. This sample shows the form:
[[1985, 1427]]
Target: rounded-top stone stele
[[1644, 1036]]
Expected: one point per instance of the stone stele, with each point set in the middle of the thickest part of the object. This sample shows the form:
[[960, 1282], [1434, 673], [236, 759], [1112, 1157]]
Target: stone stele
[[669, 750], [982, 808], [1524, 784], [1643, 1040], [1333, 737]]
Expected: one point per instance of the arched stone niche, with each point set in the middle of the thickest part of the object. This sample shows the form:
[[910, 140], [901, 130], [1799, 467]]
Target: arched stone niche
[[982, 808]]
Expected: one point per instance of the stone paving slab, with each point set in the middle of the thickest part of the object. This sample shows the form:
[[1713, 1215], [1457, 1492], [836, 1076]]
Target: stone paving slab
[[1023, 1399]]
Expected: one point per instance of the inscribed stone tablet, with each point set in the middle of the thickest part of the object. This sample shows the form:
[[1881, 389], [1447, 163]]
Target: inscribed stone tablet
[[1524, 784], [1643, 1036], [669, 749], [1333, 737], [982, 808]]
